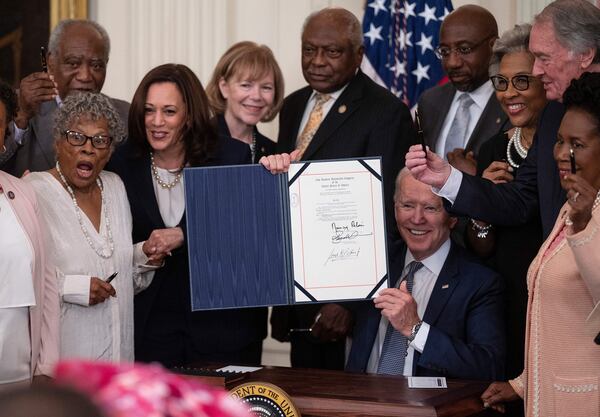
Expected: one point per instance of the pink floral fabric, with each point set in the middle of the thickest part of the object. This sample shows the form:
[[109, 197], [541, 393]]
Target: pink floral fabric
[[137, 390]]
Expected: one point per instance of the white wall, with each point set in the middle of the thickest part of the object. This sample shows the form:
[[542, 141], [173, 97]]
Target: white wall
[[146, 33]]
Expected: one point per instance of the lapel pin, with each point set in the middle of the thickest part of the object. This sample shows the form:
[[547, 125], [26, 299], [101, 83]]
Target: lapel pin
[[262, 149], [498, 121], [445, 286], [342, 109], [11, 195]]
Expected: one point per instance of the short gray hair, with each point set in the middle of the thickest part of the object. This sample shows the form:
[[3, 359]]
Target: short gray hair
[[511, 41], [576, 24], [58, 32], [403, 173], [350, 21], [95, 106]]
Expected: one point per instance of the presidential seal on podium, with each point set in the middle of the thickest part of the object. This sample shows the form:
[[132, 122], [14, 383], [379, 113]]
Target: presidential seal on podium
[[265, 400]]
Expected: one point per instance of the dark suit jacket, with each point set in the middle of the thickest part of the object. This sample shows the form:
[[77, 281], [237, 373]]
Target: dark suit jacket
[[216, 331], [466, 338], [366, 120], [36, 153], [264, 145], [536, 187], [433, 108]]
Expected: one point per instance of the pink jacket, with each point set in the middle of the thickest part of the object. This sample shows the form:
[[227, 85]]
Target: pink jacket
[[44, 316]]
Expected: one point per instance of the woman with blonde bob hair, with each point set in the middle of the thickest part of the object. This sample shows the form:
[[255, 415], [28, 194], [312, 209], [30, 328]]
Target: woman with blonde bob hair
[[246, 88]]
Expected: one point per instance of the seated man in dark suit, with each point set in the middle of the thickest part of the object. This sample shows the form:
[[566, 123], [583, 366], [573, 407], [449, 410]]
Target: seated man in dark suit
[[342, 113], [78, 53], [445, 319]]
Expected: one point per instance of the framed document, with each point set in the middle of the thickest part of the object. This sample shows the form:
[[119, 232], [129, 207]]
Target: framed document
[[316, 234]]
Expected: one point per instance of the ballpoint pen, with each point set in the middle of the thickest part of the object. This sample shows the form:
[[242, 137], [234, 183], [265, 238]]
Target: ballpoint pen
[[111, 277], [420, 137]]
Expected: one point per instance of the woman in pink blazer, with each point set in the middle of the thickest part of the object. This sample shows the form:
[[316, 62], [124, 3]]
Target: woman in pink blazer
[[29, 309]]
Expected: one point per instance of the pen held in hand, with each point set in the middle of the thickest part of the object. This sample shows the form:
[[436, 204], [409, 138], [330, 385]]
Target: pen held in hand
[[420, 136], [111, 277], [43, 59], [572, 159]]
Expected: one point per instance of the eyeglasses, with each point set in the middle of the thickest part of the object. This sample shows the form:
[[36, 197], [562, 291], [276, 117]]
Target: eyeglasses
[[443, 52], [520, 82], [79, 139]]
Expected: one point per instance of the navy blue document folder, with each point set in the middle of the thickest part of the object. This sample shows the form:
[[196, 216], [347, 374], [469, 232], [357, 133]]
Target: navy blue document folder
[[239, 237]]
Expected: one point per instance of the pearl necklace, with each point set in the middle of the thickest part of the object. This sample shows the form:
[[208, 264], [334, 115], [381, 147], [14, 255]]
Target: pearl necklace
[[253, 146], [102, 252], [159, 180], [596, 201], [515, 141]]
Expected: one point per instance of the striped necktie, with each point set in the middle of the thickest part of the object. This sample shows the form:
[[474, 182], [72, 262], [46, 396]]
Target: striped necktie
[[395, 344]]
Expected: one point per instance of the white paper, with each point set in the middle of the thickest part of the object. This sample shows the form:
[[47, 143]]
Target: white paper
[[239, 369], [427, 382], [338, 234]]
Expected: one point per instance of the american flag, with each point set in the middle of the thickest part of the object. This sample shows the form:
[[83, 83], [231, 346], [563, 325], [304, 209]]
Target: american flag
[[400, 37]]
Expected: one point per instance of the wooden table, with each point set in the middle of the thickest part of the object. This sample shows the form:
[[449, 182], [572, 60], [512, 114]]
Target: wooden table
[[335, 393]]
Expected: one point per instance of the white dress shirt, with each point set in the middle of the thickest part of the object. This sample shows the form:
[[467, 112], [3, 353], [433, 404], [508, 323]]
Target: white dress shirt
[[16, 296], [423, 284], [171, 201], [449, 190], [103, 331], [480, 98]]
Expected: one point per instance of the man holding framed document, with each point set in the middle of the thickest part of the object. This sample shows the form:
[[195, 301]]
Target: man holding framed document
[[444, 316], [342, 113]]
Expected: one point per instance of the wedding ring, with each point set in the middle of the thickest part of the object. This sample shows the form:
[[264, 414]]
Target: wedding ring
[[575, 196]]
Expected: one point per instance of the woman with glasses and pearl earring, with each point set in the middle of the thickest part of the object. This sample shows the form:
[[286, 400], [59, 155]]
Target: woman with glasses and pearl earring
[[509, 250], [86, 213]]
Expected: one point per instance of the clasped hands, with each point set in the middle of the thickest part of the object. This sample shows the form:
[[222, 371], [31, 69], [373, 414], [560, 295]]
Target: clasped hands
[[161, 243], [399, 307]]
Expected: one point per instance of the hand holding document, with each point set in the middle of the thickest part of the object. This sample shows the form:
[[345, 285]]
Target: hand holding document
[[314, 234]]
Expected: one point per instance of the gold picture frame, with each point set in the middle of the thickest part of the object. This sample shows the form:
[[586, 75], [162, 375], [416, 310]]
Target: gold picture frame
[[67, 9]]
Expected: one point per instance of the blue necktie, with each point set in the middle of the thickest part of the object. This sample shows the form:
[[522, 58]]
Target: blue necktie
[[395, 344]]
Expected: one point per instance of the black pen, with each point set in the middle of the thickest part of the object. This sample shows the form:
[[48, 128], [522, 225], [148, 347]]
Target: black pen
[[110, 278], [43, 58], [572, 158], [420, 137]]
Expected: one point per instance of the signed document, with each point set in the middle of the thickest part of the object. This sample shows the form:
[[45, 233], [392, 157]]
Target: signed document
[[337, 229], [314, 234]]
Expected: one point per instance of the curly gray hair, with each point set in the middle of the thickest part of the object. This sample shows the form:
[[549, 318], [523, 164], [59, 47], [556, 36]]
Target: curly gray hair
[[95, 106], [59, 30], [511, 41]]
